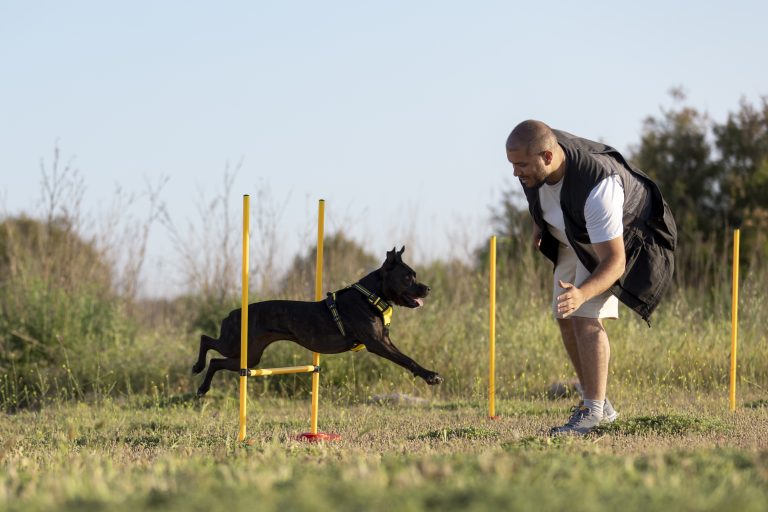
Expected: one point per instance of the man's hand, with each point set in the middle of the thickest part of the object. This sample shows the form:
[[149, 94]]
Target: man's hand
[[570, 300], [536, 236], [608, 271]]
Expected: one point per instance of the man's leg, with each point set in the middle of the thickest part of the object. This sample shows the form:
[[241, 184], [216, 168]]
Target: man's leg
[[585, 342], [588, 347], [571, 346], [594, 354], [566, 271]]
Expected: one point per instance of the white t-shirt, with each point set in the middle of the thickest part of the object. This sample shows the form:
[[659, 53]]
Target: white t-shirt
[[603, 210]]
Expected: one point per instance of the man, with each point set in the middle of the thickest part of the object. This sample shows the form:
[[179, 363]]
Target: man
[[611, 236]]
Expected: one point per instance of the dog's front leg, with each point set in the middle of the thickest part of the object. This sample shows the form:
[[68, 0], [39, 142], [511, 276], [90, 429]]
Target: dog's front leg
[[388, 350]]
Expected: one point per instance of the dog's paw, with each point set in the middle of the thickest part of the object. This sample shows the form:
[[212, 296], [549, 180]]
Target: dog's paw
[[197, 368], [433, 379], [202, 390]]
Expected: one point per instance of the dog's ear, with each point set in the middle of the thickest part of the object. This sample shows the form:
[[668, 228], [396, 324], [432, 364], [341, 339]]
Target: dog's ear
[[392, 258], [400, 254]]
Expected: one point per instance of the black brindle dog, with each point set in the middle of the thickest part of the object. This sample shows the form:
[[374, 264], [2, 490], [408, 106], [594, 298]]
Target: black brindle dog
[[312, 324]]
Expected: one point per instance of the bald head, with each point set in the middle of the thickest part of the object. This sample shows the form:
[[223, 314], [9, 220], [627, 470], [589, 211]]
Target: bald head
[[533, 137], [535, 155]]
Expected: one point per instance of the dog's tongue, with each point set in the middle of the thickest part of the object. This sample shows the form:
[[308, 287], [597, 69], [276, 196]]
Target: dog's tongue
[[420, 302]]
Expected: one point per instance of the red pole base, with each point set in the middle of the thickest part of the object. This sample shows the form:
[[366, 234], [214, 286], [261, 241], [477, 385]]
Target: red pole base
[[497, 417], [316, 438]]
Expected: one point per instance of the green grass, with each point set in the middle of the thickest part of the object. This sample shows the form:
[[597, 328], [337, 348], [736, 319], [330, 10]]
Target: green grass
[[446, 434], [117, 428], [114, 429], [98, 410], [667, 424], [182, 454]]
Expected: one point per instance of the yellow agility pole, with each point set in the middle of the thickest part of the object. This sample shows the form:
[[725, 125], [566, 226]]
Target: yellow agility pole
[[318, 296], [313, 434], [244, 318], [492, 333], [262, 372], [734, 317], [245, 372]]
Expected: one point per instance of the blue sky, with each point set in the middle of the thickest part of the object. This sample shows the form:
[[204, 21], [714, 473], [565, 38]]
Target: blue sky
[[394, 112]]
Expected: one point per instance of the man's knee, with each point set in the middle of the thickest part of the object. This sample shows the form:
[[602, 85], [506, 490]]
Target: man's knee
[[583, 321], [584, 327], [566, 329]]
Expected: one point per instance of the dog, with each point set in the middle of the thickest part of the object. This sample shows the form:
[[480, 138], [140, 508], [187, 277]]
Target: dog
[[348, 319]]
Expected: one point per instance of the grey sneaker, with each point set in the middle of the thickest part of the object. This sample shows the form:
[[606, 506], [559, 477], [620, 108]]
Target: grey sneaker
[[609, 416], [571, 421], [609, 413], [581, 422]]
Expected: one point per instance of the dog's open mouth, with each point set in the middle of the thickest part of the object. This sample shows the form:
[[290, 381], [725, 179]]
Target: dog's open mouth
[[413, 302]]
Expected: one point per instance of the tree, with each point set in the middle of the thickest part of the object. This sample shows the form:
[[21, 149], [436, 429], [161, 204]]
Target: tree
[[714, 177], [675, 152], [742, 142]]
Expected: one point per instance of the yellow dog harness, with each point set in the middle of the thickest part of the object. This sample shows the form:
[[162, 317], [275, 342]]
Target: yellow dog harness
[[381, 305]]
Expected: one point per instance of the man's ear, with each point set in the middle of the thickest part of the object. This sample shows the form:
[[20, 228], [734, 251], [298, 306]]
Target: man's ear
[[547, 156]]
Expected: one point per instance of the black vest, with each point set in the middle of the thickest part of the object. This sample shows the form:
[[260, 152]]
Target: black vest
[[650, 233]]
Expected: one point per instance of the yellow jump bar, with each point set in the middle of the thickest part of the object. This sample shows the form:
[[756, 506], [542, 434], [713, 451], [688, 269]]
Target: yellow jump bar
[[260, 372]]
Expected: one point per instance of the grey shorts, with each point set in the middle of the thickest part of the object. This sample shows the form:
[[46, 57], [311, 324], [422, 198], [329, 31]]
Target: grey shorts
[[570, 270]]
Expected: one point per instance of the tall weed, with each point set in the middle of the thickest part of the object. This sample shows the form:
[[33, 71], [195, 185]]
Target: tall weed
[[72, 325]]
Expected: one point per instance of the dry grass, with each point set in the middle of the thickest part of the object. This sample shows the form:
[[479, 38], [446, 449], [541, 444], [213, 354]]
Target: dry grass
[[98, 389], [173, 454]]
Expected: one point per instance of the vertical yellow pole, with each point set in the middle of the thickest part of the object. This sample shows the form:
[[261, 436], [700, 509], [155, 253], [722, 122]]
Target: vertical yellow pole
[[734, 317], [492, 331], [318, 296], [244, 317]]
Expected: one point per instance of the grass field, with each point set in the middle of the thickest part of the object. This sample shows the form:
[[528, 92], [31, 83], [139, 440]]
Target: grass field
[[98, 410], [113, 426], [176, 453]]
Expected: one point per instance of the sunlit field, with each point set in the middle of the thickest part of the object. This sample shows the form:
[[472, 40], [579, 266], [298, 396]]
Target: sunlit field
[[100, 413], [404, 446], [173, 453]]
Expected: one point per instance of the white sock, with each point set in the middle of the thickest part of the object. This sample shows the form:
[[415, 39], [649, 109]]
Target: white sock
[[595, 407]]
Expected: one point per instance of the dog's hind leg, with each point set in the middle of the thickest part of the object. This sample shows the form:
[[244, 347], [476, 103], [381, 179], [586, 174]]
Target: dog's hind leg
[[227, 344], [231, 364], [206, 343]]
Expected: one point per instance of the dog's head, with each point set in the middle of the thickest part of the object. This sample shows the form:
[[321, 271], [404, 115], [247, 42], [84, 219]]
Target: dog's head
[[399, 281]]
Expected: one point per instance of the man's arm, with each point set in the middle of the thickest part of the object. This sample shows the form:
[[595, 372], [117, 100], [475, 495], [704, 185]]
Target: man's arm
[[603, 213], [610, 268]]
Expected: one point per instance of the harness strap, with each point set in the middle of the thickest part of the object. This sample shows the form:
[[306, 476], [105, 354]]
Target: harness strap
[[383, 307], [330, 301]]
